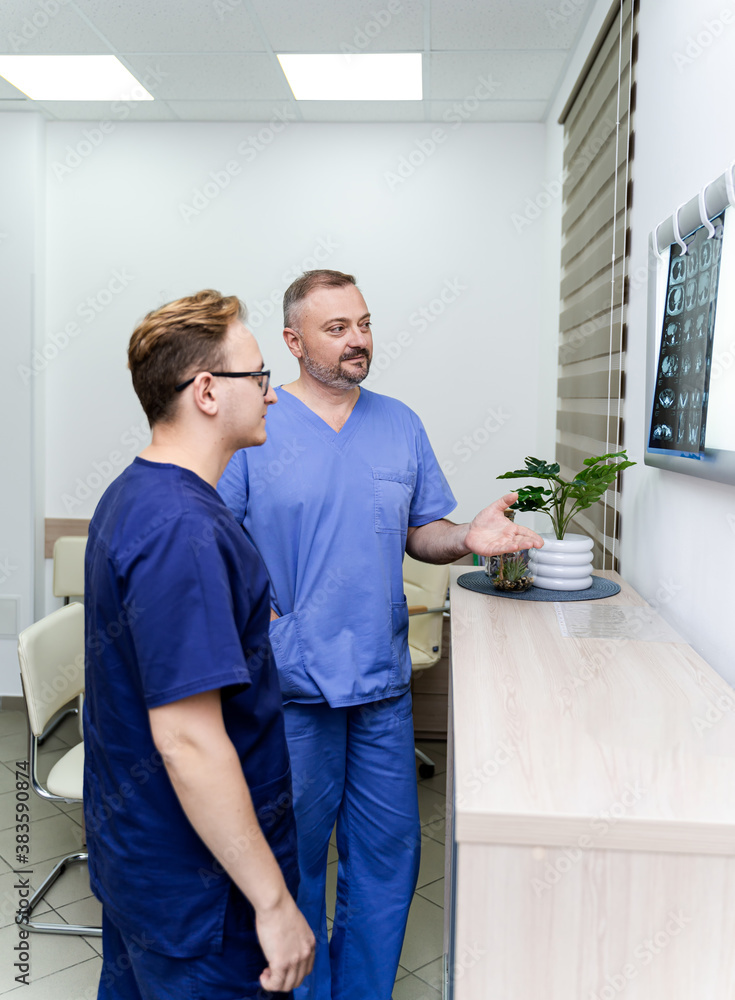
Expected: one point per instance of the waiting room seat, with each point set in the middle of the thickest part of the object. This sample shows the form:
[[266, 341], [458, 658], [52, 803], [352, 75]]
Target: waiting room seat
[[425, 587], [51, 657], [69, 551], [69, 566]]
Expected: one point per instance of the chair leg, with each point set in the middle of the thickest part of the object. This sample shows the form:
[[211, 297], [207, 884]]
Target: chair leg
[[24, 914], [427, 765]]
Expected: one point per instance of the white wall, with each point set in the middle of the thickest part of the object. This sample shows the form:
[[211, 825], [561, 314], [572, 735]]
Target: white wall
[[678, 533], [120, 233], [21, 235]]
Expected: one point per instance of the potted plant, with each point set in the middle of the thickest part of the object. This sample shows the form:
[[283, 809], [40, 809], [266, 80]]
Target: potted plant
[[564, 563]]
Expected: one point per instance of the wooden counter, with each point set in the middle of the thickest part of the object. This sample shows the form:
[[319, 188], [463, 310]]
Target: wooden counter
[[593, 821]]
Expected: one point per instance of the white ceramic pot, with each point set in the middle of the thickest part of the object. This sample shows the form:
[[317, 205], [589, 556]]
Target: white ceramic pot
[[562, 564]]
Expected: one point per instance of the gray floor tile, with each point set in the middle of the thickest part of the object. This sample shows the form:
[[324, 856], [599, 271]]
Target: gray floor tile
[[432, 805], [13, 722], [432, 861], [9, 897], [84, 911], [434, 892], [424, 934], [79, 982], [401, 973], [71, 886], [39, 808], [437, 784], [332, 854], [13, 747], [49, 839], [432, 973], [49, 953], [413, 988], [7, 779], [68, 731], [331, 889]]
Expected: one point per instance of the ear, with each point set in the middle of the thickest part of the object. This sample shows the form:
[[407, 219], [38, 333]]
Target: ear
[[204, 394], [293, 342]]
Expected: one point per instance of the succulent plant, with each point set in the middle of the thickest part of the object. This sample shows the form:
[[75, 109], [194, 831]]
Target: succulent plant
[[513, 567]]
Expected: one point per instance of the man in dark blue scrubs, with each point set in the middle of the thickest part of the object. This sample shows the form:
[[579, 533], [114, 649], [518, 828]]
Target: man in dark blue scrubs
[[187, 794]]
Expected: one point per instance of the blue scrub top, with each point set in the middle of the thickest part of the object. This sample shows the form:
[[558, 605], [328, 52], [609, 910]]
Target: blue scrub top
[[176, 603], [329, 513]]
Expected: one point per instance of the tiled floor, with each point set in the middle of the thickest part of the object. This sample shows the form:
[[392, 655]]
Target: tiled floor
[[68, 967]]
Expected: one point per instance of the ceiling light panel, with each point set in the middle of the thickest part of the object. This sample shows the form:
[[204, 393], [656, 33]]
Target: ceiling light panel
[[365, 77], [72, 78]]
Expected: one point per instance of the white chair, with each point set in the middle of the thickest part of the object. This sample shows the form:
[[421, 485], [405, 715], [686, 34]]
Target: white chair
[[425, 587], [69, 551], [69, 566], [51, 657]]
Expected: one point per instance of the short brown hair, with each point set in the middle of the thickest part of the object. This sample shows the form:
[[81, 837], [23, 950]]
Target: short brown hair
[[176, 341], [303, 286]]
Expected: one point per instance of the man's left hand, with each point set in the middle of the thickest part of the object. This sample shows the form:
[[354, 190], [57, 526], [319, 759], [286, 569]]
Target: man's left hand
[[491, 533]]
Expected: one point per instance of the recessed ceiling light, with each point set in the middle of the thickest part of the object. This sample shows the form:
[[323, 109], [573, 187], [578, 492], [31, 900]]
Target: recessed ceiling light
[[72, 78], [379, 77]]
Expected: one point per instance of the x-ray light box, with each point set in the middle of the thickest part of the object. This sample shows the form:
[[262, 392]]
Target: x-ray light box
[[691, 337]]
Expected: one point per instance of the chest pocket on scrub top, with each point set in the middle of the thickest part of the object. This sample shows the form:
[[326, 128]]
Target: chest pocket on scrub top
[[393, 494]]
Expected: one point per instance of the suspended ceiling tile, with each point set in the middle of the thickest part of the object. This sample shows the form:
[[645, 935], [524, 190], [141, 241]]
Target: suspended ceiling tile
[[506, 24], [234, 111], [343, 25], [454, 114], [108, 111], [173, 25], [247, 76], [27, 29], [362, 111], [494, 75]]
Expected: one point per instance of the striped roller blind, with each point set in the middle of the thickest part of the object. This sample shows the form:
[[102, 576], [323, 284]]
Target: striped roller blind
[[595, 243]]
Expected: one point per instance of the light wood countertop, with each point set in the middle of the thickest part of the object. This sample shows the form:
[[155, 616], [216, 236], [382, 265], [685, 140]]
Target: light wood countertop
[[627, 742]]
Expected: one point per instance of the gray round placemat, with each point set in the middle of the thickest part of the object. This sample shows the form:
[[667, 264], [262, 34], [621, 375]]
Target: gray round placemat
[[482, 584]]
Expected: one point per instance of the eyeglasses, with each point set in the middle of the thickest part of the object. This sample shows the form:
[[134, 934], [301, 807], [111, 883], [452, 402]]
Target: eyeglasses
[[264, 376]]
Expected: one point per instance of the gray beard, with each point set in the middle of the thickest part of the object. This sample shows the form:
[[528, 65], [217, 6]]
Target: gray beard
[[334, 375]]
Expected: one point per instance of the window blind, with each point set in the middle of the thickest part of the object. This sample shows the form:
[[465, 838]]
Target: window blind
[[597, 190]]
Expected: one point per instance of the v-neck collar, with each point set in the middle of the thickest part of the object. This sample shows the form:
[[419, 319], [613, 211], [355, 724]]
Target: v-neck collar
[[338, 439]]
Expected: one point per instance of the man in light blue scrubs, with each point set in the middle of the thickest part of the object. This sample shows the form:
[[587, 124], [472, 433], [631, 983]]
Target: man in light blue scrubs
[[345, 485], [187, 785]]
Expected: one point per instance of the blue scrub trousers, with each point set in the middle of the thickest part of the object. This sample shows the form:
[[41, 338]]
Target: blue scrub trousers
[[131, 971], [355, 766]]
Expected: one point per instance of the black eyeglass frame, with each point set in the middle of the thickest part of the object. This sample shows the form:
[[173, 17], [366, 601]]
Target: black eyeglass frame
[[263, 373]]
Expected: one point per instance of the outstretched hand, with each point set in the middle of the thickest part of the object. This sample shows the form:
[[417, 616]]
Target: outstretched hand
[[491, 533]]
